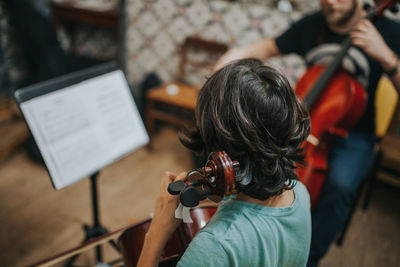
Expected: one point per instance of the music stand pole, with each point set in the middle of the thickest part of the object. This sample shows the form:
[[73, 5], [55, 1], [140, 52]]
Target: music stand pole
[[97, 229]]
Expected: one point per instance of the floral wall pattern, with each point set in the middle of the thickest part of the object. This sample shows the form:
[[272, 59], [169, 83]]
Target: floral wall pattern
[[156, 28]]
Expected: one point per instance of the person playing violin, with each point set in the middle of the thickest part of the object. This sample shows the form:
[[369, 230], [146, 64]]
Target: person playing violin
[[375, 51], [250, 111]]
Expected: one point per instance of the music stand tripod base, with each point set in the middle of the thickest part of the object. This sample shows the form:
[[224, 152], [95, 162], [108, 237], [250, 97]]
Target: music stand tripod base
[[97, 229]]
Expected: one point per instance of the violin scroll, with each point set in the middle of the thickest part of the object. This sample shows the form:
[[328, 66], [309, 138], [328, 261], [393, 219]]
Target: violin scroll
[[215, 180]]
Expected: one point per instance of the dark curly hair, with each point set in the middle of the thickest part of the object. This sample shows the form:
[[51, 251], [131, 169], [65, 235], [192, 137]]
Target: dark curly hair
[[250, 110]]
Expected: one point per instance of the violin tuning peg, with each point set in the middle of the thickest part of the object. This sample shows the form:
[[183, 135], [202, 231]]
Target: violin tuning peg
[[190, 197], [177, 187], [195, 175]]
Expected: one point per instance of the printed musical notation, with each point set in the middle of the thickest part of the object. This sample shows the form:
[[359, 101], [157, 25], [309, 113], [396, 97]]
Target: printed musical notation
[[82, 128]]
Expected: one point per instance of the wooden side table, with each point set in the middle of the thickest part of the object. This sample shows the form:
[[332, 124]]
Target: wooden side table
[[178, 107], [170, 108]]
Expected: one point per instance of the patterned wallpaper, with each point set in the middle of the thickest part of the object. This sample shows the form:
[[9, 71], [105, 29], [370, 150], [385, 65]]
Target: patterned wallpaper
[[156, 28]]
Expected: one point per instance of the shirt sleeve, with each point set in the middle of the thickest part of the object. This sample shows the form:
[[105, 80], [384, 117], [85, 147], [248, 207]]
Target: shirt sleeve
[[204, 250]]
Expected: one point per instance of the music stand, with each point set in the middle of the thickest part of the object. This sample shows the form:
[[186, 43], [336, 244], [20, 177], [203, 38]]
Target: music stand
[[82, 122]]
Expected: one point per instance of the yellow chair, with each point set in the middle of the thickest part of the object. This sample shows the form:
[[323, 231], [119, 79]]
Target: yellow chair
[[385, 102]]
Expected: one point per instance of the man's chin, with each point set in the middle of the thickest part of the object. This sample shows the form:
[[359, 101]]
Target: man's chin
[[336, 19], [333, 20]]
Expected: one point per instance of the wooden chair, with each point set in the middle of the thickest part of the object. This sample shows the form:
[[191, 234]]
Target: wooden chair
[[175, 102], [387, 150]]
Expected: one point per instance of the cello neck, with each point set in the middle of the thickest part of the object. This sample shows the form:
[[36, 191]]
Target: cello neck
[[319, 86]]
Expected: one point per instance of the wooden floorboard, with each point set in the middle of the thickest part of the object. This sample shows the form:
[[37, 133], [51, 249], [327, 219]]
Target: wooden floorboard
[[37, 221]]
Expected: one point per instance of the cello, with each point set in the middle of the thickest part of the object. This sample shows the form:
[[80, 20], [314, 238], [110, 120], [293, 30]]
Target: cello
[[214, 181], [335, 102]]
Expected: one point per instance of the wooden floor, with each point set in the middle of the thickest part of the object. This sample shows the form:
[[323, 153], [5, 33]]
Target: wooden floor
[[37, 222]]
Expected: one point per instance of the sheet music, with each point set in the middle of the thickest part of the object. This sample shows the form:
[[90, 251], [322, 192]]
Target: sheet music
[[82, 128]]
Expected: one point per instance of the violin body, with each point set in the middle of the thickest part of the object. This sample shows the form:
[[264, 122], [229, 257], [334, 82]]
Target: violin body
[[337, 109], [131, 241]]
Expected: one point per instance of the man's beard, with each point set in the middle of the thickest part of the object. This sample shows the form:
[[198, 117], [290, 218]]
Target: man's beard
[[346, 17]]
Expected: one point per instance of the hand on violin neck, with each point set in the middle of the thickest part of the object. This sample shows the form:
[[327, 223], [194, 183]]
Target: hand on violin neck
[[164, 221]]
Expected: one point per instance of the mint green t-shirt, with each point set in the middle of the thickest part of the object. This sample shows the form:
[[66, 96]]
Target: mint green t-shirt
[[247, 234]]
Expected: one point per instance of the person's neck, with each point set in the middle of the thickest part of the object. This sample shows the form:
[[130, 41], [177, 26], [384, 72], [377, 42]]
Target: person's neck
[[283, 200], [348, 26]]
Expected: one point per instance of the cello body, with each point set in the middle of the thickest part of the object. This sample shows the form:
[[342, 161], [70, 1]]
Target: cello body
[[335, 102], [337, 109]]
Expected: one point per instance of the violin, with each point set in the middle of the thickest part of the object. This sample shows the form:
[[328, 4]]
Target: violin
[[214, 181], [336, 102]]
